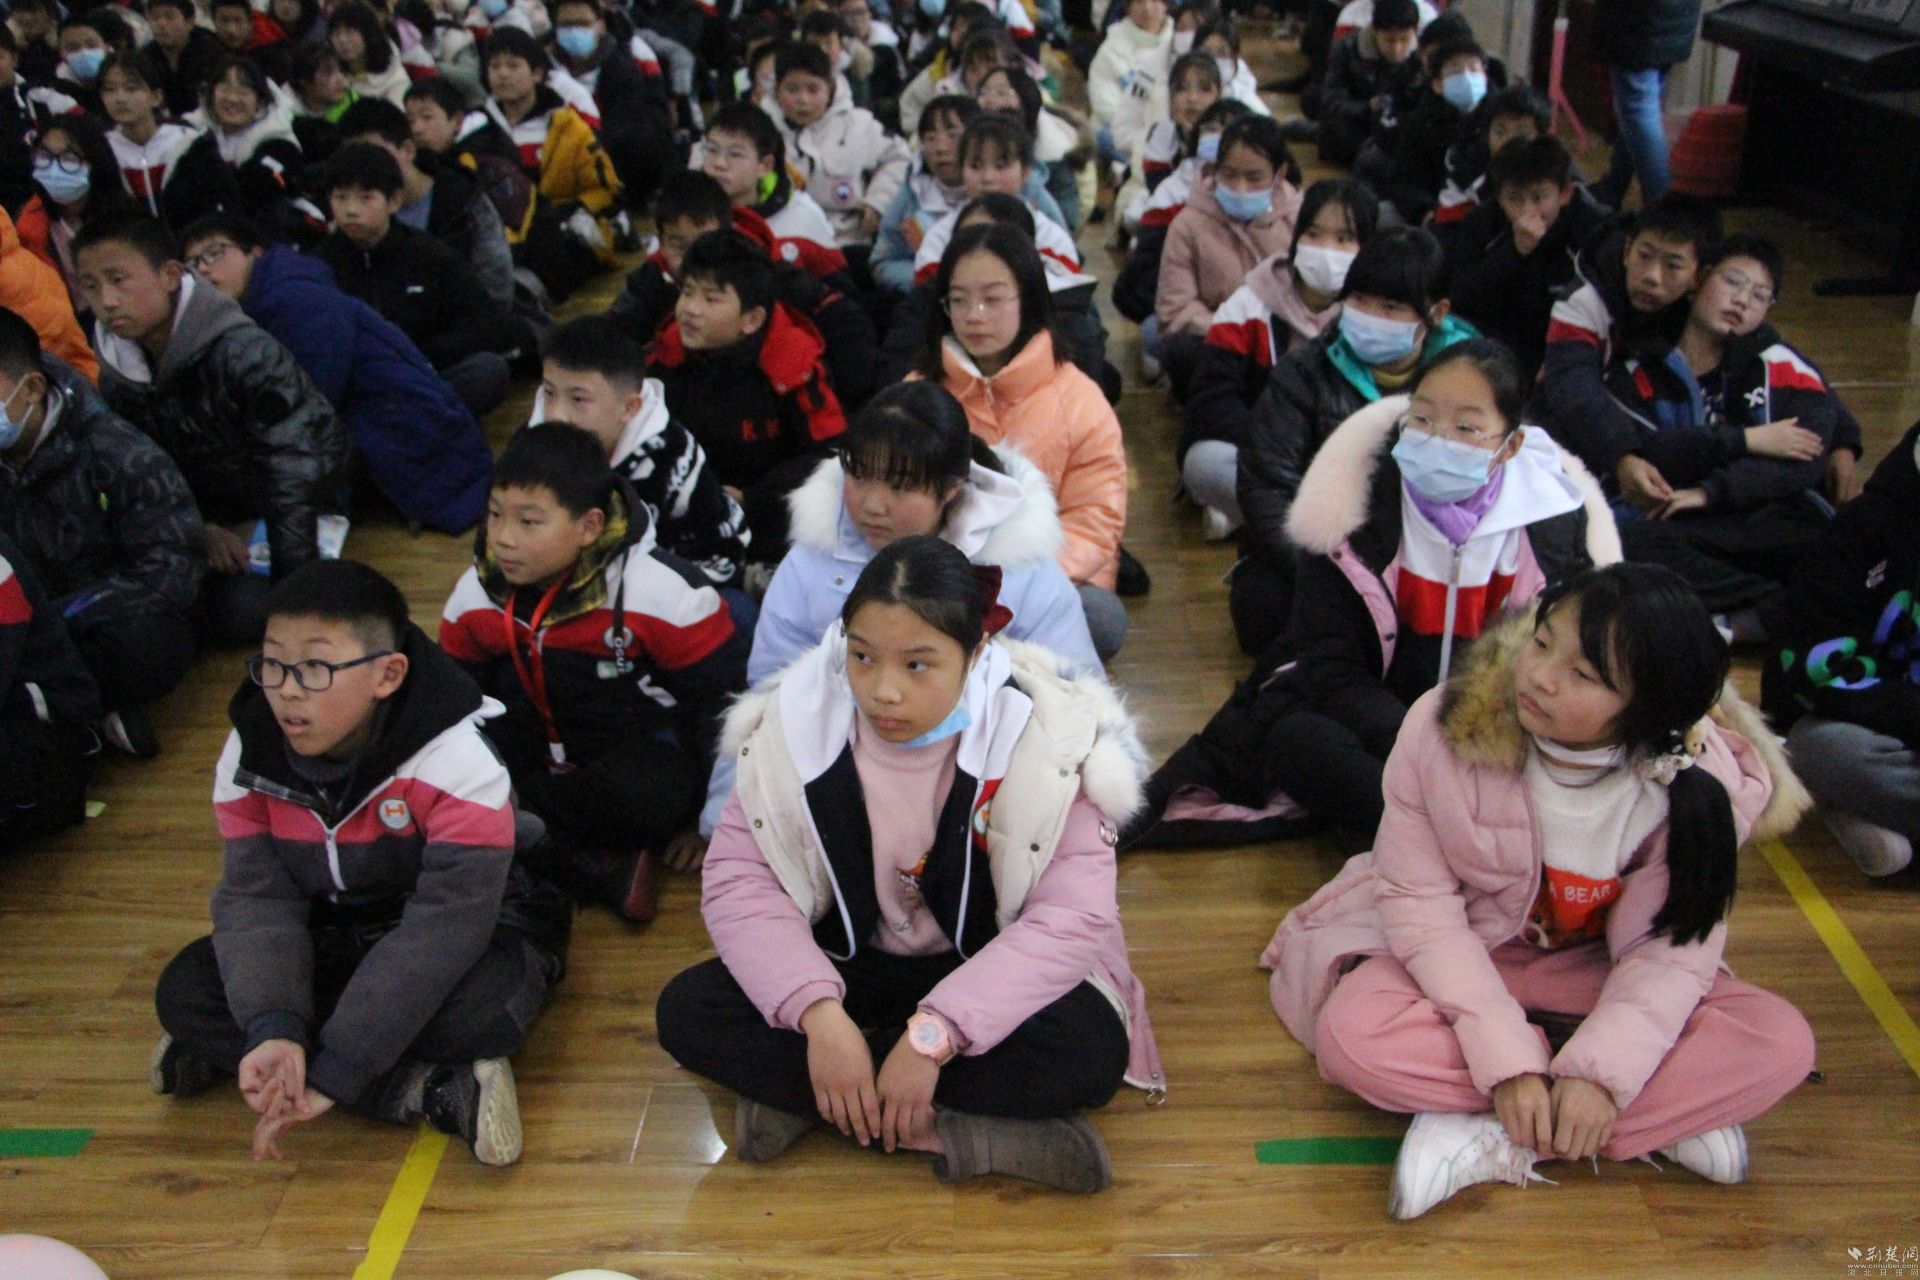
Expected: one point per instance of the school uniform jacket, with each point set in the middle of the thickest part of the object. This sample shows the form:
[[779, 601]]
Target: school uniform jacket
[[1020, 876], [1207, 255], [1510, 297], [1456, 869], [176, 175], [637, 642], [850, 163], [559, 147], [1263, 320], [41, 674], [760, 404], [693, 515], [420, 844]]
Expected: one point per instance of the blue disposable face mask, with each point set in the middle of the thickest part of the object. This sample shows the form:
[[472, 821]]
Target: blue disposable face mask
[[1242, 206], [85, 64], [1378, 341], [576, 42], [1442, 470], [1208, 148], [11, 428], [1464, 89], [933, 8], [61, 184], [958, 720], [493, 8]]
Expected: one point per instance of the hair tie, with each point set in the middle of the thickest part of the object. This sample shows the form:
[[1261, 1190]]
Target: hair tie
[[995, 616], [1682, 753]]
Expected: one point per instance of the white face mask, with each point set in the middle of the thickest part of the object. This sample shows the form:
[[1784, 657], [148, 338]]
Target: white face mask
[[1322, 269], [1182, 42], [844, 61], [1228, 66]]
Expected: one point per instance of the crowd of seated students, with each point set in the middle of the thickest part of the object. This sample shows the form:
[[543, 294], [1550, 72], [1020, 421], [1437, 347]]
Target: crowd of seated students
[[807, 560]]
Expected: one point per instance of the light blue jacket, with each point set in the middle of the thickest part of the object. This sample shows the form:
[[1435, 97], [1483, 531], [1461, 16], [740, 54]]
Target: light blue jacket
[[892, 260], [1009, 519]]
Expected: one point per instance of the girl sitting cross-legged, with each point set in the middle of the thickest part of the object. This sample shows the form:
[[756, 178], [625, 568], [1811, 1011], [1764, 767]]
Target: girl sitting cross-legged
[[1530, 958], [912, 892]]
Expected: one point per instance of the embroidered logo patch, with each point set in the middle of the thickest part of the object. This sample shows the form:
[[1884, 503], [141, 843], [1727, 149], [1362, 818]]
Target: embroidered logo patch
[[394, 814], [790, 251]]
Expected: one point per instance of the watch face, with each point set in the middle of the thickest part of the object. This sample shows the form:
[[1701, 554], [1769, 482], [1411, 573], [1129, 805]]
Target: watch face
[[926, 1036]]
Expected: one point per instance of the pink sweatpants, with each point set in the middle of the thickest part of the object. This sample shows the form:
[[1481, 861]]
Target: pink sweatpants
[[1742, 1050]]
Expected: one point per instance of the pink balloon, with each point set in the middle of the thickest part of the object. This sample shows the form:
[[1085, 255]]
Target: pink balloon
[[38, 1258]]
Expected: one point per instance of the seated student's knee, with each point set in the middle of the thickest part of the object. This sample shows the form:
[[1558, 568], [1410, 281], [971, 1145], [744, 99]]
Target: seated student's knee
[[1782, 1039], [189, 987], [1346, 1037], [689, 1004], [1106, 619]]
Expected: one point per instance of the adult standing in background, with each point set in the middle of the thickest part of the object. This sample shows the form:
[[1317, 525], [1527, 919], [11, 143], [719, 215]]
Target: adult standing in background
[[1639, 41]]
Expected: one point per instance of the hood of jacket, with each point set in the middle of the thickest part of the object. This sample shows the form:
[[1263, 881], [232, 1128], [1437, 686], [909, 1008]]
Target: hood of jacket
[[437, 695], [201, 314], [1478, 720], [281, 266], [1011, 519], [1336, 494], [275, 124], [790, 348], [73, 406], [647, 422], [1086, 719], [1274, 284]]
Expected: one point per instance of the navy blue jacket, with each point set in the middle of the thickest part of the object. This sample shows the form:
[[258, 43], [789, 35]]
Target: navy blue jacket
[[423, 447]]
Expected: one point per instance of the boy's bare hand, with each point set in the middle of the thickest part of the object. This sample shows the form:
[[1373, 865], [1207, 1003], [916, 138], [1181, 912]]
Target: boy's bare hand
[[226, 551], [276, 1065], [686, 851]]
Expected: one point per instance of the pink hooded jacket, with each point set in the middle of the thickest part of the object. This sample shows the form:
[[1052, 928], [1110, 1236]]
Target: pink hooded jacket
[[1208, 255], [1456, 867]]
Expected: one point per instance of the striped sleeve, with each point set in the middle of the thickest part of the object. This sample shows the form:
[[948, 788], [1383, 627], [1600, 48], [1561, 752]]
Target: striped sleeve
[[1581, 316], [678, 618], [1242, 325], [469, 620], [1787, 371], [238, 812]]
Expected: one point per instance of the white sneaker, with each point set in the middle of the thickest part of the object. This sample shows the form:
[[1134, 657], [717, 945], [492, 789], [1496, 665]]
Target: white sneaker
[[1216, 525], [1875, 850], [1445, 1152], [1719, 1155]]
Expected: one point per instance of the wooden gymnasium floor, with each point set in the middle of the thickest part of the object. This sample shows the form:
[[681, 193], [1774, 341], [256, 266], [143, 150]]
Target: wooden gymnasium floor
[[626, 1163]]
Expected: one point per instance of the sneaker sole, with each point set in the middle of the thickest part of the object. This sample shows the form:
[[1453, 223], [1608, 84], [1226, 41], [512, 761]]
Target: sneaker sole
[[156, 1066], [1403, 1192], [1095, 1149], [496, 1128]]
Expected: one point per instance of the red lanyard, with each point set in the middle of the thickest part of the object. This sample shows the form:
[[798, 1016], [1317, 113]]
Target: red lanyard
[[533, 669]]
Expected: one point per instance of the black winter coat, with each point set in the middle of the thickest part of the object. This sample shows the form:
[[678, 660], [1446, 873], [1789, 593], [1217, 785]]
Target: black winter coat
[[1510, 297], [1306, 398], [42, 676], [425, 289], [253, 436], [102, 515], [1645, 33]]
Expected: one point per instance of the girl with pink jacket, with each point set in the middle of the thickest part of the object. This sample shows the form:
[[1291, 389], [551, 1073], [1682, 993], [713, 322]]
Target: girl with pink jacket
[[916, 870], [1530, 958]]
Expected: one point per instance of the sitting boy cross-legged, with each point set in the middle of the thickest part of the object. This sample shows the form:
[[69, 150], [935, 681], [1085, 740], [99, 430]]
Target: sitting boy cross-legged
[[614, 658], [375, 944]]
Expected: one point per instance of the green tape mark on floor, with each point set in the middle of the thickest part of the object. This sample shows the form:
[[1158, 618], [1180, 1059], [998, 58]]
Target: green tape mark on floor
[[18, 1144], [1327, 1151]]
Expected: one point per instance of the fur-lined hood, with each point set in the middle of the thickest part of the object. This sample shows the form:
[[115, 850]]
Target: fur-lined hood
[[1084, 716], [1478, 720], [1011, 519], [1334, 501]]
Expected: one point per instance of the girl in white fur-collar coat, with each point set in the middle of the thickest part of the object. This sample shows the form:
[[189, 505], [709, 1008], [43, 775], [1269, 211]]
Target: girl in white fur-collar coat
[[913, 892]]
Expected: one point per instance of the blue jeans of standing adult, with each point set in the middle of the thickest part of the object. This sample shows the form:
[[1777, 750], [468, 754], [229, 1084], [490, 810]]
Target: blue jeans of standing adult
[[1642, 148]]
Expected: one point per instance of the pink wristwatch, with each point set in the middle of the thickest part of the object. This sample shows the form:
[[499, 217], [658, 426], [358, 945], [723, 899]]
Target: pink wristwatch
[[928, 1037]]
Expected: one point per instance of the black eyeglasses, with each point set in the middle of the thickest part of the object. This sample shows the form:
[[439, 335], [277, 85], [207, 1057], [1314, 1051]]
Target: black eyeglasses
[[67, 163], [313, 675]]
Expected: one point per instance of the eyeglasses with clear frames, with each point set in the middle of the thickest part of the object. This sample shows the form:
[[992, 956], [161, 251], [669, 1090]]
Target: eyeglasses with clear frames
[[313, 675], [209, 255], [960, 303], [1739, 283], [1472, 433]]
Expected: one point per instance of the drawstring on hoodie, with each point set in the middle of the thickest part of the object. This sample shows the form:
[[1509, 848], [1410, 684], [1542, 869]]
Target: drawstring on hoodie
[[1453, 605]]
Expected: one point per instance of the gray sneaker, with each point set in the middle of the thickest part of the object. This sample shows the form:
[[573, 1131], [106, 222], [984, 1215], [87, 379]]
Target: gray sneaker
[[476, 1102], [172, 1071]]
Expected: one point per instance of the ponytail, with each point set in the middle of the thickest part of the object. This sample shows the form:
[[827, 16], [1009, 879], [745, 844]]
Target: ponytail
[[1702, 857]]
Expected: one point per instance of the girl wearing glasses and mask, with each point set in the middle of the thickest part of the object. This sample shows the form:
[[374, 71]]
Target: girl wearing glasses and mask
[[992, 344], [1394, 318], [1738, 425], [1419, 522]]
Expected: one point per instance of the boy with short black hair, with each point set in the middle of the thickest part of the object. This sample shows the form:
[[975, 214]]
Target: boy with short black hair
[[1371, 83], [47, 700], [614, 658], [183, 53], [375, 943], [1449, 112], [1514, 255], [1630, 286], [593, 378], [241, 30], [745, 152], [744, 373], [624, 76], [255, 440], [414, 280], [853, 167], [690, 205], [437, 197], [1518, 113], [108, 525]]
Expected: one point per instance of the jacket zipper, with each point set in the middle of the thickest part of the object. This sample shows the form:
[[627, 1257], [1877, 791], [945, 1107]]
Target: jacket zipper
[[1453, 605]]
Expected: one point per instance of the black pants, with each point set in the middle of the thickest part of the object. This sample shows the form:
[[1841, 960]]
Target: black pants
[[236, 606], [44, 770], [633, 796], [135, 659], [1735, 561], [1324, 767], [487, 1015], [1340, 139], [1068, 1057]]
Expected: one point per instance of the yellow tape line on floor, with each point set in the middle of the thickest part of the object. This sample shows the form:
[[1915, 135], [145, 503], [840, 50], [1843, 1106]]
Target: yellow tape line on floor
[[1853, 962], [389, 1238]]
